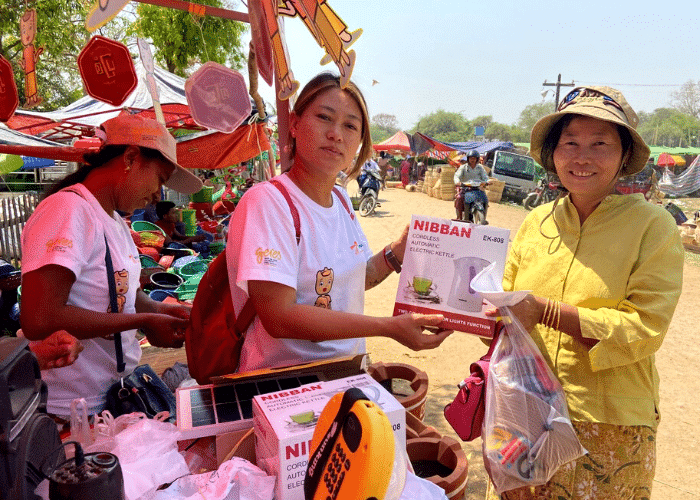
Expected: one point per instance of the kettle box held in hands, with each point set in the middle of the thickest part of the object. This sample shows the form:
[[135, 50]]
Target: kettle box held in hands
[[442, 257]]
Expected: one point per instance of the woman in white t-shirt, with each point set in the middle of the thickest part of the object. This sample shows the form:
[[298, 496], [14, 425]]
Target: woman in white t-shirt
[[64, 266], [309, 295]]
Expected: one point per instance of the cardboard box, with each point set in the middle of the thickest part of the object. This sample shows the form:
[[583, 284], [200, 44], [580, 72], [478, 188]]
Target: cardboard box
[[442, 256], [226, 405], [285, 422]]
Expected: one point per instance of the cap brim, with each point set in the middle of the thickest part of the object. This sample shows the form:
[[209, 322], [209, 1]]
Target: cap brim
[[183, 181]]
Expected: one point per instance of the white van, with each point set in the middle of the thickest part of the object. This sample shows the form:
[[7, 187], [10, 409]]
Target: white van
[[517, 171]]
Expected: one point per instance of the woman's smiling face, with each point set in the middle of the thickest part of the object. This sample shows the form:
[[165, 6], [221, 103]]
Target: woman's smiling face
[[588, 157], [329, 132]]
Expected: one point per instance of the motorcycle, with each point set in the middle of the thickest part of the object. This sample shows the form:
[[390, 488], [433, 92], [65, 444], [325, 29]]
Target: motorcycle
[[370, 182], [474, 210], [543, 193]]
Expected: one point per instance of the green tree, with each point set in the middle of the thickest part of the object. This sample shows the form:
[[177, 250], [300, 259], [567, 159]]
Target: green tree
[[183, 39], [532, 113], [444, 126], [383, 126], [669, 127], [62, 34], [687, 99]]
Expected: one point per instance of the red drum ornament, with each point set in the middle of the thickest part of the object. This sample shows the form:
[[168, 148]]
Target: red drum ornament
[[107, 70]]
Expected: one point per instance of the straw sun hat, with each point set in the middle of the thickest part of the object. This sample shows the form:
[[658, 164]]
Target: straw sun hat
[[604, 103]]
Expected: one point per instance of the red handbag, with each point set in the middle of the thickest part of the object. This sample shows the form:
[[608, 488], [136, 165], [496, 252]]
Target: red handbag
[[466, 413]]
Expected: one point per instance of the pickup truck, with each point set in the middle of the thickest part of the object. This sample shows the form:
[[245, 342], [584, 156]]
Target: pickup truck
[[518, 171]]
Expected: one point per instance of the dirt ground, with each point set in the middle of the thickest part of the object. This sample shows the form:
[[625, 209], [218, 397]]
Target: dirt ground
[[678, 448]]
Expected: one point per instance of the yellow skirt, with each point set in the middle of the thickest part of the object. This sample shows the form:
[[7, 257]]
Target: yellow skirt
[[620, 465]]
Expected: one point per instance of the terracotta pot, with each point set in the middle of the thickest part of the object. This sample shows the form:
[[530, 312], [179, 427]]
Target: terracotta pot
[[446, 456], [415, 428], [414, 403]]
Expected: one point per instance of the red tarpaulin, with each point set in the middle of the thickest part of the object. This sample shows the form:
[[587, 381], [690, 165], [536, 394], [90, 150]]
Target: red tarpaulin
[[216, 150], [397, 142], [219, 150]]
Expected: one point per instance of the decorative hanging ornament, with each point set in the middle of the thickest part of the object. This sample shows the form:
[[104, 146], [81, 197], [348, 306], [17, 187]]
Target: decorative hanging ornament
[[30, 56], [8, 91], [217, 97], [102, 12], [107, 70], [330, 32]]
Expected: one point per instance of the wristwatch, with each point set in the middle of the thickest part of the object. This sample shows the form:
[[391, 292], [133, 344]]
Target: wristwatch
[[391, 259]]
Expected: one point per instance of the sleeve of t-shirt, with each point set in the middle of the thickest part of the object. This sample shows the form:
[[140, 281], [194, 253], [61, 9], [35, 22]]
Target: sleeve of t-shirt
[[60, 232], [262, 242]]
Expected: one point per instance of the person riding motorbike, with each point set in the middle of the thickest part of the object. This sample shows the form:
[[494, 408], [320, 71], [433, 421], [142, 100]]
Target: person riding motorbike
[[471, 174]]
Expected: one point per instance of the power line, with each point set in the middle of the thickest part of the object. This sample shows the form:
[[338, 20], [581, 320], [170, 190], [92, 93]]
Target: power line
[[634, 84]]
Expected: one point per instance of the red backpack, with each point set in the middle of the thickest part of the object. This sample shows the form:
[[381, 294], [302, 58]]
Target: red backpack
[[214, 336]]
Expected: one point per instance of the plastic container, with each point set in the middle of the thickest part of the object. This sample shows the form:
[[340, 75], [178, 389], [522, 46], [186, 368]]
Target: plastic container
[[147, 261], [204, 195], [159, 295], [189, 219], [217, 246], [195, 267], [676, 212], [165, 281], [144, 225]]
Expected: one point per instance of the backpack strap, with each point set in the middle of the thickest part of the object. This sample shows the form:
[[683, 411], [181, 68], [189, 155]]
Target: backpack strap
[[337, 192], [292, 208], [247, 314]]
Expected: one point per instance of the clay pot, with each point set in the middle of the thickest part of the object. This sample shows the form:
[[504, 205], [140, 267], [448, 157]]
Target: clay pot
[[415, 428], [414, 403], [440, 461]]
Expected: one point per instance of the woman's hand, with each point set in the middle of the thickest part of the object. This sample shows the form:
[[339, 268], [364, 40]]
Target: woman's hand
[[408, 330], [165, 330], [57, 350], [528, 311], [399, 246]]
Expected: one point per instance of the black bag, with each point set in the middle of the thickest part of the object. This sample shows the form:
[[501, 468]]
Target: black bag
[[141, 391]]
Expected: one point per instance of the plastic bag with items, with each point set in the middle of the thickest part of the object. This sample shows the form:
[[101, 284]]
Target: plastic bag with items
[[527, 432]]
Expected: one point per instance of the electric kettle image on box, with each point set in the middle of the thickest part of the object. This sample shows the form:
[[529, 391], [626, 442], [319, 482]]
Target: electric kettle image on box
[[462, 295]]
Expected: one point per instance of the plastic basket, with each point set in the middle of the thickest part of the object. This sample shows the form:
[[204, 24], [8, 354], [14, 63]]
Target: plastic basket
[[147, 261], [204, 195], [144, 225], [195, 267], [216, 247]]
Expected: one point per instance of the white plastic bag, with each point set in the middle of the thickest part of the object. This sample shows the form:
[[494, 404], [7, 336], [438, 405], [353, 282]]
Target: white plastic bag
[[236, 479], [527, 434]]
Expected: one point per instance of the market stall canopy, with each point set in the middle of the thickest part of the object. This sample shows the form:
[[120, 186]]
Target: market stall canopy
[[81, 117], [398, 143], [682, 184], [204, 150], [665, 160]]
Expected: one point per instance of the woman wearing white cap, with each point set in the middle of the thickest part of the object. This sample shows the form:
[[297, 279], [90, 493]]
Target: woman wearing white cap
[[70, 241], [605, 272]]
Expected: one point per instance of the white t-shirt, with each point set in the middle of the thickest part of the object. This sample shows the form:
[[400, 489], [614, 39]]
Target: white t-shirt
[[327, 268], [69, 230]]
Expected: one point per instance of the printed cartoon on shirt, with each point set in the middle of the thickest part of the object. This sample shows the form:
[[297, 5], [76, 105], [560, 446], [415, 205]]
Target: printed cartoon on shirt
[[121, 280], [324, 283]]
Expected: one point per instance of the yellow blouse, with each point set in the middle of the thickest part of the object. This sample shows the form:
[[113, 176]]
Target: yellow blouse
[[623, 270]]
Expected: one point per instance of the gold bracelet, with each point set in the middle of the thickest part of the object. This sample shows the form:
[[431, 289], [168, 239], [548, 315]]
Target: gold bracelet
[[545, 313], [558, 310]]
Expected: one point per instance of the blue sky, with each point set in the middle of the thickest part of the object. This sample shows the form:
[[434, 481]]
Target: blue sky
[[491, 57]]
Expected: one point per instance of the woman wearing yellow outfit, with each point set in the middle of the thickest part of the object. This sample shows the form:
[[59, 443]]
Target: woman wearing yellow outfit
[[605, 271]]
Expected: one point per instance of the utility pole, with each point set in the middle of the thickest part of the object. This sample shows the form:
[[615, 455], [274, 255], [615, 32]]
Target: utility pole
[[557, 85]]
